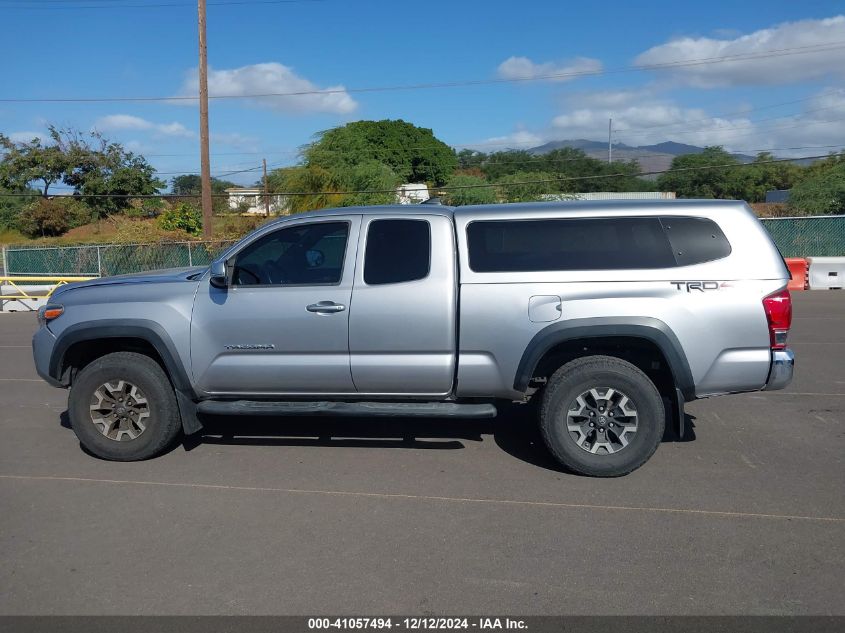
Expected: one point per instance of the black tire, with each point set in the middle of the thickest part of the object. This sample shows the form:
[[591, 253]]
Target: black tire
[[161, 426], [601, 372]]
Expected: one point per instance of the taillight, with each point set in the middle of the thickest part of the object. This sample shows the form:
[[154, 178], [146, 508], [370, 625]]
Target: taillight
[[778, 308]]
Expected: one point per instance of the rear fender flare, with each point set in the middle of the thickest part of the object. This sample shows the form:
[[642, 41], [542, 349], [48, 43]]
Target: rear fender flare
[[648, 328]]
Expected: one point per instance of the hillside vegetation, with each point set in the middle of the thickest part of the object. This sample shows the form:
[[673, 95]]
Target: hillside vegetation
[[116, 196]]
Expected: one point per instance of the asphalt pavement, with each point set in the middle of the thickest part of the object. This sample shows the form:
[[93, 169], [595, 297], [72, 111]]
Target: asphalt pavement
[[364, 517]]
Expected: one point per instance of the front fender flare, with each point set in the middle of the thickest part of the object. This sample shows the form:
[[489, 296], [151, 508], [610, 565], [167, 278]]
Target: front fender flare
[[146, 330]]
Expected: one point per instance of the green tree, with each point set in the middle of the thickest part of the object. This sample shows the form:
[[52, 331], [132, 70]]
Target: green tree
[[752, 181], [468, 190], [313, 187], [102, 172], [822, 193], [31, 162], [470, 158], [11, 207], [508, 162], [376, 179], [318, 188], [191, 185], [522, 186], [821, 166], [574, 170], [700, 179], [414, 154], [95, 167], [48, 217], [182, 217]]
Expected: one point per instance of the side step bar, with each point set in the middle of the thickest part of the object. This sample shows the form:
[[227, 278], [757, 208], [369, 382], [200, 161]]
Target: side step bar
[[348, 409]]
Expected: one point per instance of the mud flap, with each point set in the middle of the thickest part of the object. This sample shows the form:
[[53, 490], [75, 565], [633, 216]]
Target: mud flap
[[188, 413], [680, 415]]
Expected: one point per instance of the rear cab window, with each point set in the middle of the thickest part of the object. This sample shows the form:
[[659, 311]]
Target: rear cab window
[[695, 240], [397, 251], [567, 244]]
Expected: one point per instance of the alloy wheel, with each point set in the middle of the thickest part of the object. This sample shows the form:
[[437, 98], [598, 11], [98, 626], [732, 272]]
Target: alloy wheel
[[602, 420], [119, 410]]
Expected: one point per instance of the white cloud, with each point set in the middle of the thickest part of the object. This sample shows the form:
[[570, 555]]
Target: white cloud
[[520, 139], [235, 139], [643, 122], [821, 123], [610, 98], [524, 68], [780, 69], [273, 78], [640, 118], [115, 122], [27, 136]]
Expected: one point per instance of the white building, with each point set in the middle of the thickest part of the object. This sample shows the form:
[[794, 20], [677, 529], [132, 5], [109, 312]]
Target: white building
[[251, 200], [612, 195], [412, 193]]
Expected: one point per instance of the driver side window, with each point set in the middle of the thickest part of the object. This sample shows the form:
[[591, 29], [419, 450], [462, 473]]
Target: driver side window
[[301, 255]]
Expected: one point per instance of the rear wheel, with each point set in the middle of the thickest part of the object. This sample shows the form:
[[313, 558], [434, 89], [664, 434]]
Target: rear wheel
[[122, 407], [601, 416]]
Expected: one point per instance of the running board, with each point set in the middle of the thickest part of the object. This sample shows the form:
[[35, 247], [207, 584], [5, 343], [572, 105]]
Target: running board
[[348, 409]]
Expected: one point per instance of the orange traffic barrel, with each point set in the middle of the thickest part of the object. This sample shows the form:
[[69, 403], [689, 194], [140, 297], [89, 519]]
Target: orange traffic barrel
[[798, 269]]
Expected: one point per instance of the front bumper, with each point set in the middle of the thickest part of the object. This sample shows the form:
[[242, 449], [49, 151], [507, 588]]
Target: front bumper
[[780, 374], [42, 349]]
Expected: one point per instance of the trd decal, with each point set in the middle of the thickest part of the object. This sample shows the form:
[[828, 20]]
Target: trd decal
[[700, 286]]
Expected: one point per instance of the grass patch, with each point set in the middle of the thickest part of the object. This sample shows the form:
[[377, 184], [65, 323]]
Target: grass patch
[[8, 236], [120, 229]]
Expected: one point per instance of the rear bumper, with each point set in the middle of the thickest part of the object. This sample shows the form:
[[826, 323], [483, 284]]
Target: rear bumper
[[780, 374]]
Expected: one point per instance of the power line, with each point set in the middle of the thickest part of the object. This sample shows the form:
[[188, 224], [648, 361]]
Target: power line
[[451, 187], [156, 5], [799, 50]]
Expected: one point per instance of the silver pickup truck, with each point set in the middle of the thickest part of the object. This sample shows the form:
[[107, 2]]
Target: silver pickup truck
[[609, 316]]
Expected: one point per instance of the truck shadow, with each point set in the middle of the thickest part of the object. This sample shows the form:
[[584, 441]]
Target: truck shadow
[[514, 431]]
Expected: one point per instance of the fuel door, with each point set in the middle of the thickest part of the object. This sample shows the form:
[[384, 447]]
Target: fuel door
[[544, 308]]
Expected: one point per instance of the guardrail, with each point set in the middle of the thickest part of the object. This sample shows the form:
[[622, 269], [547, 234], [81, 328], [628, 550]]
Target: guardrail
[[30, 290]]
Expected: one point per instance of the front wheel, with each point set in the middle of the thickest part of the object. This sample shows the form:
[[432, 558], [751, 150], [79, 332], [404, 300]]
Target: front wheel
[[601, 416], [122, 407]]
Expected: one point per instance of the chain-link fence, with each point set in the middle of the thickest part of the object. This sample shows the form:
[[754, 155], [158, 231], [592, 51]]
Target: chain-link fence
[[818, 236], [108, 259], [795, 237]]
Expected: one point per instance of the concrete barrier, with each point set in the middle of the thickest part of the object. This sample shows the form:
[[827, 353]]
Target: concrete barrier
[[29, 292], [826, 273], [29, 304]]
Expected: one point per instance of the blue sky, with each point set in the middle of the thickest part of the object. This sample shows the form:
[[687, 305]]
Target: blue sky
[[59, 48]]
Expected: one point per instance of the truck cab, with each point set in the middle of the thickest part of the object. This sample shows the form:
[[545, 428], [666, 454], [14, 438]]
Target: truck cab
[[280, 320]]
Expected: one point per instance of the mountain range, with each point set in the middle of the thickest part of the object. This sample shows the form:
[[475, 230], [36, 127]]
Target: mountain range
[[650, 157]]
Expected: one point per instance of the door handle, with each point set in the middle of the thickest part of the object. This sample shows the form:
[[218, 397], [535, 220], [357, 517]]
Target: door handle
[[325, 307]]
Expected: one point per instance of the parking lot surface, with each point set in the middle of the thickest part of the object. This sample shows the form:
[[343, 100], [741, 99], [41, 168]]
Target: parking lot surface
[[366, 517]]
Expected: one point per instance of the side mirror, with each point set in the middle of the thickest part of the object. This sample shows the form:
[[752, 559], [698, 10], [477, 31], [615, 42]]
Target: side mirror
[[219, 278]]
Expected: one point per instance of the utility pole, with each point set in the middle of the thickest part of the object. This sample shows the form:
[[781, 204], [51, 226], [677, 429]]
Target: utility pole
[[207, 229], [266, 198], [610, 140]]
